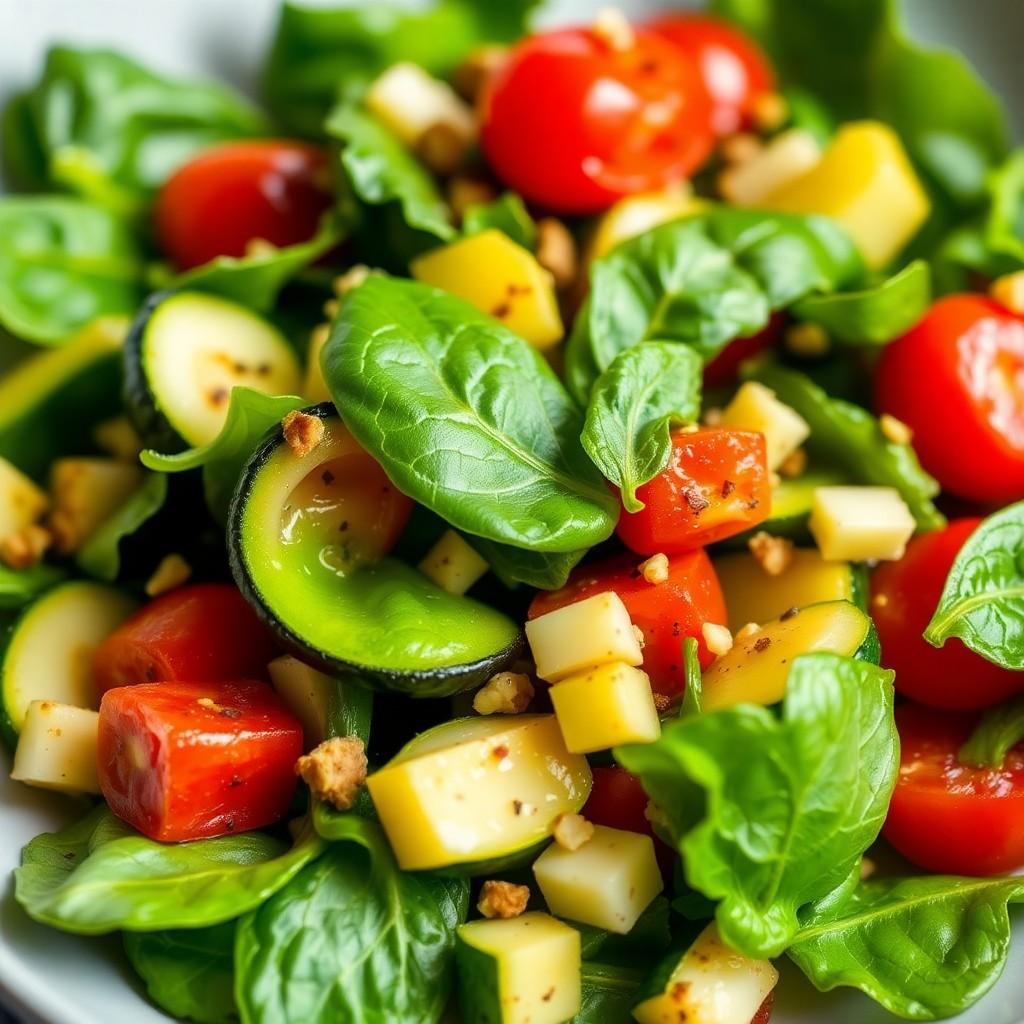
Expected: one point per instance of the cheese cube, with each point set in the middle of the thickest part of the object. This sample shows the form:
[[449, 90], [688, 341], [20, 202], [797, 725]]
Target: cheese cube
[[634, 215], [21, 501], [452, 564], [579, 636], [410, 102], [608, 882], [86, 492], [858, 524], [787, 156], [604, 706], [755, 407], [57, 748]]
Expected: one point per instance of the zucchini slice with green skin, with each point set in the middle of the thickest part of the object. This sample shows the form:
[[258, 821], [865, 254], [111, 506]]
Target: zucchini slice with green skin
[[185, 352], [384, 623], [47, 651]]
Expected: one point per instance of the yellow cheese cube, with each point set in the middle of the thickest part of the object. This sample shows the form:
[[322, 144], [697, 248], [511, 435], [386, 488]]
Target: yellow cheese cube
[[410, 102], [477, 788], [605, 705], [608, 882], [596, 631], [86, 492], [500, 278], [857, 524], [21, 501], [786, 157], [866, 182], [633, 215], [57, 748], [755, 407], [452, 564]]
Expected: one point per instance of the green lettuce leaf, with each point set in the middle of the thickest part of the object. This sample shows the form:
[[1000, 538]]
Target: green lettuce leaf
[[507, 213]]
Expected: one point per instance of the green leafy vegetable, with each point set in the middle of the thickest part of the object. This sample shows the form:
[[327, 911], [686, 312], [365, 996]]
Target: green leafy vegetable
[[99, 875], [19, 586], [545, 570], [465, 417], [507, 213], [693, 695], [645, 391], [925, 948], [849, 438], [1001, 728], [63, 262], [608, 993], [982, 602], [190, 974], [649, 937], [789, 804], [103, 126]]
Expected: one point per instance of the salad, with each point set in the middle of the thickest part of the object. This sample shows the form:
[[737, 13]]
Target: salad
[[525, 526]]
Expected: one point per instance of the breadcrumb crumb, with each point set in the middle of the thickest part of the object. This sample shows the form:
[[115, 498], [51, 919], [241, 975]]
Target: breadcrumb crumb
[[556, 251], [26, 547], [505, 693], [502, 899], [747, 631], [741, 147], [612, 27], [172, 571], [471, 75], [571, 831], [895, 430], [794, 464], [770, 111], [655, 569], [335, 771], [352, 278], [1008, 291], [807, 339], [713, 417], [662, 702], [773, 554], [640, 638], [718, 638], [302, 432]]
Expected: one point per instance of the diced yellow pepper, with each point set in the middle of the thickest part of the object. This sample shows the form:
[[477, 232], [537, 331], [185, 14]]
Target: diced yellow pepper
[[856, 524], [866, 182], [500, 278], [633, 215]]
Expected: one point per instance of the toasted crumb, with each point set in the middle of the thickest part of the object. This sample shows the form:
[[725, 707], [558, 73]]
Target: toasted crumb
[[443, 147], [505, 693], [172, 571], [571, 831], [747, 631], [331, 308], [713, 417], [807, 339], [718, 638], [556, 251], [794, 464], [640, 638], [25, 547], [302, 432], [465, 190], [770, 111], [335, 770], [773, 554], [503, 899], [1008, 291], [741, 147], [655, 569], [867, 868], [656, 816], [895, 430], [472, 74], [352, 278], [119, 438], [662, 702], [880, 600], [612, 27]]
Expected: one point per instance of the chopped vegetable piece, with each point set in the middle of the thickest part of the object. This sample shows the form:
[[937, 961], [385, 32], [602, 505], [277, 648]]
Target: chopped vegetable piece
[[756, 408], [452, 564], [21, 501], [855, 524], [57, 748]]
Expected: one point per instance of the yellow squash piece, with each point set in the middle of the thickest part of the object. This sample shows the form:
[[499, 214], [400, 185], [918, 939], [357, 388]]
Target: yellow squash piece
[[500, 278]]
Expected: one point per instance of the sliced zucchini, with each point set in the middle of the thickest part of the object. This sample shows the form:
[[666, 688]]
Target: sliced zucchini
[[58, 748], [291, 545], [184, 354], [755, 670], [48, 651]]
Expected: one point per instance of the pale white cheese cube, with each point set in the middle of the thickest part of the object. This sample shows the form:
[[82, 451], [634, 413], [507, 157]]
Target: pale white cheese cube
[[410, 102], [860, 524], [755, 407], [57, 748], [452, 564]]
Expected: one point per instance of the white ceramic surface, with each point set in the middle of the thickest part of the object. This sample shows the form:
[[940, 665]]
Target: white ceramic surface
[[59, 979]]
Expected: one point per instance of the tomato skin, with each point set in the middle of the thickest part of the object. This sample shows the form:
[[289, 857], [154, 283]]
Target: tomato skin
[[715, 485], [229, 195], [187, 760], [667, 612], [948, 817], [724, 368], [905, 593], [200, 633], [957, 379], [734, 68], [764, 1013], [573, 124]]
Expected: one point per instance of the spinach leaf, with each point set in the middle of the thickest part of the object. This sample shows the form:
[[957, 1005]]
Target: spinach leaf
[[103, 126], [790, 803], [925, 948], [645, 391], [63, 262], [982, 602], [693, 695], [545, 570], [18, 587], [507, 213], [99, 875], [873, 315], [351, 939], [465, 417], [190, 974], [251, 414], [649, 937], [608, 994], [849, 438], [1000, 729]]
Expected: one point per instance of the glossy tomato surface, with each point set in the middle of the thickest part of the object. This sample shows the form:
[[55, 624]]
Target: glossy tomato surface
[[957, 380], [667, 612], [231, 195], [904, 595], [948, 817], [189, 760], [573, 123], [724, 368]]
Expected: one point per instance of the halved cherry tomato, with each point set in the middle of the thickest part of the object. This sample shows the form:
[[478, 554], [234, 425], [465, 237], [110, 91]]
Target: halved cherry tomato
[[723, 369], [574, 123], [764, 1013], [666, 612], [735, 69], [904, 596], [235, 193], [715, 485], [200, 633], [957, 380], [187, 760], [949, 817]]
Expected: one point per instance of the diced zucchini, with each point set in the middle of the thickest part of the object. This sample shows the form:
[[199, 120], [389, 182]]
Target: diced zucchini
[[604, 706], [477, 788], [633, 215], [452, 564], [582, 635], [755, 407], [86, 492], [755, 670], [860, 523], [21, 501], [57, 748], [608, 882], [524, 970]]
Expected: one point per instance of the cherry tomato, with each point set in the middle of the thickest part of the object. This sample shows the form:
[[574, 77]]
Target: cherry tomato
[[200, 633], [764, 1013], [904, 596], [233, 194], [723, 369], [667, 612], [189, 760], [957, 379], [574, 123], [735, 69], [715, 485], [949, 817]]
